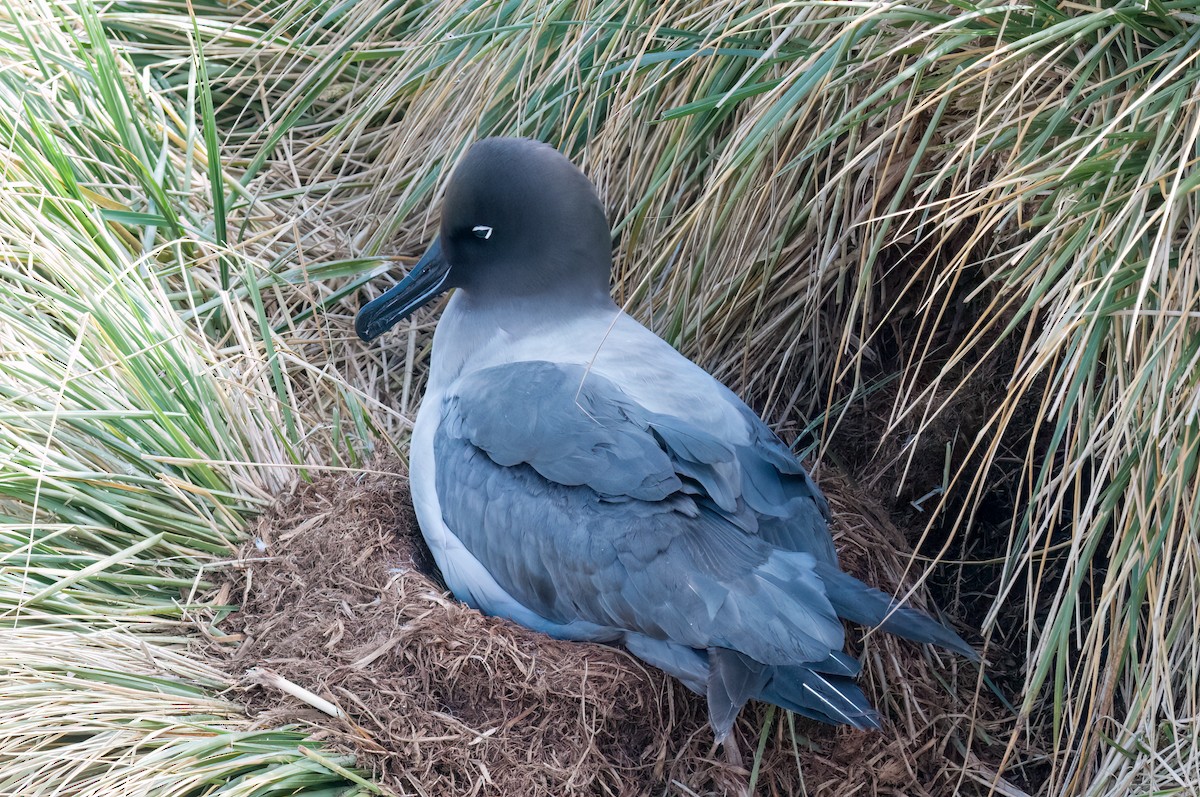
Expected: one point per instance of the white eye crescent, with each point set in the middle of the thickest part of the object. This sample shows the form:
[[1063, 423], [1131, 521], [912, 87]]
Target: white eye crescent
[[482, 231]]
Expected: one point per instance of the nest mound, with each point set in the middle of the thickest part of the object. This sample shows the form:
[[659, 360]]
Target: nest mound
[[337, 597]]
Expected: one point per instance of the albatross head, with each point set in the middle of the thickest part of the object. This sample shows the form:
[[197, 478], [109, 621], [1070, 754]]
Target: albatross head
[[519, 222]]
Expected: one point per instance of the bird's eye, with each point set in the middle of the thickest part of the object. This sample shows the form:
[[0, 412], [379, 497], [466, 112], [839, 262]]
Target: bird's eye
[[482, 231]]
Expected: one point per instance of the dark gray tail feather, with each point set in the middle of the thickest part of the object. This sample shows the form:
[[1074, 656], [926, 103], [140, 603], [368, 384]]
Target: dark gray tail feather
[[834, 699], [827, 694], [838, 663], [732, 680], [823, 690], [855, 601]]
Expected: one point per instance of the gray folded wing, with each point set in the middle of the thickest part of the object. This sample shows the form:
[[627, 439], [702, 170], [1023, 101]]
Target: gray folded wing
[[583, 505], [534, 412]]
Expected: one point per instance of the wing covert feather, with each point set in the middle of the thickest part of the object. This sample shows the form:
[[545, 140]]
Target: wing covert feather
[[673, 568]]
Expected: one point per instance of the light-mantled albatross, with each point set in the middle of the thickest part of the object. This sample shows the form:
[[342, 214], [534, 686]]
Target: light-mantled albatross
[[574, 473]]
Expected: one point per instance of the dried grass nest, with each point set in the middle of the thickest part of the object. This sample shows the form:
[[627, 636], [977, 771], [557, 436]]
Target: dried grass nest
[[336, 597]]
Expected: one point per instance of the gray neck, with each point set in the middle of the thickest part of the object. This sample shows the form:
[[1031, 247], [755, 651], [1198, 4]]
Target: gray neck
[[472, 329]]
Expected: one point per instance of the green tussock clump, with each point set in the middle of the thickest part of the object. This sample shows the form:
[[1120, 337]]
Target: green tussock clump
[[145, 414]]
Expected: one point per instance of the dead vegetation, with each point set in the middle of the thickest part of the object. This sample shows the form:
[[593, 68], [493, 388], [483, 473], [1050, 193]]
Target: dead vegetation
[[337, 598]]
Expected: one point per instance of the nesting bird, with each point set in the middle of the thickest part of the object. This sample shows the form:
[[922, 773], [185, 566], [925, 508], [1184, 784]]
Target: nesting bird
[[574, 473]]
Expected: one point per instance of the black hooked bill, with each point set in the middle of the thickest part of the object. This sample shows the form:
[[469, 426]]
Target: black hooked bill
[[424, 283]]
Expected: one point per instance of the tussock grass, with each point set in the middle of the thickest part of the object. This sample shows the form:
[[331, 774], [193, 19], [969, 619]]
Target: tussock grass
[[145, 414], [805, 195], [842, 209], [107, 713]]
